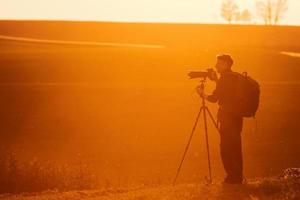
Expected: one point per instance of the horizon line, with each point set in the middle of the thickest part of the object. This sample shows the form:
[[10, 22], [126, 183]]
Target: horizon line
[[152, 22]]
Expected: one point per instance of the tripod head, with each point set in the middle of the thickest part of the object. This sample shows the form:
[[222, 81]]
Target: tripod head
[[202, 86], [202, 81]]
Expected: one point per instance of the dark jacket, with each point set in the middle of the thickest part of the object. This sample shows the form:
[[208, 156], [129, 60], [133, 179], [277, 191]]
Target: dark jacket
[[225, 92]]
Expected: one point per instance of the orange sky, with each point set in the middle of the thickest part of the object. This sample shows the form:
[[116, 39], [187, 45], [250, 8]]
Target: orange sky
[[202, 11]]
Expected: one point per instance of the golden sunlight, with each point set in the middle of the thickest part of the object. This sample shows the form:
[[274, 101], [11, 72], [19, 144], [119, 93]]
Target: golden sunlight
[[191, 11]]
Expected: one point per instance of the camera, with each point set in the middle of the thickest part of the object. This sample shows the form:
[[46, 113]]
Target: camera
[[209, 73]]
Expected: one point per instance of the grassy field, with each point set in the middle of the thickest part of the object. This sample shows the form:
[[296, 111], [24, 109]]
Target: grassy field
[[127, 112], [263, 189]]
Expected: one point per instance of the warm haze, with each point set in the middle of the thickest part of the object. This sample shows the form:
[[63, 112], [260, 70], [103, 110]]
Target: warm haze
[[183, 11]]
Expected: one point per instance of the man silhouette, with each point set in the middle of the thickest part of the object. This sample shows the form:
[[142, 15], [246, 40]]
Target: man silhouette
[[230, 123]]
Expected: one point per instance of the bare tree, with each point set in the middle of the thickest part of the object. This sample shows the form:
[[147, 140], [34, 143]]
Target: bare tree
[[265, 10], [229, 10], [244, 16], [280, 9], [271, 11]]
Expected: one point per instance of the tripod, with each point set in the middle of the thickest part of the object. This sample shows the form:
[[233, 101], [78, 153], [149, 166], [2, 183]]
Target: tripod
[[203, 109]]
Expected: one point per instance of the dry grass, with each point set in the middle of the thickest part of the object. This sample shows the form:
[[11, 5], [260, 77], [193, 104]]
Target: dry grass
[[276, 188], [37, 180], [265, 189], [34, 176]]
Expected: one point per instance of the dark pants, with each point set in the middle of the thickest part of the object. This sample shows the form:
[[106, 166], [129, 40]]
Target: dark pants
[[231, 144]]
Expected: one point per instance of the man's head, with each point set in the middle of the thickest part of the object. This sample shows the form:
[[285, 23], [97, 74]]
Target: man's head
[[224, 63]]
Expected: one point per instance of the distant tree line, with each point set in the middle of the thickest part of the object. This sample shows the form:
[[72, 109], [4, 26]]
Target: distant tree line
[[270, 11]]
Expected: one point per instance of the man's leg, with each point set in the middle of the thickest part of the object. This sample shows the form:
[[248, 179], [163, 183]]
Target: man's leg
[[237, 157], [225, 150], [231, 148]]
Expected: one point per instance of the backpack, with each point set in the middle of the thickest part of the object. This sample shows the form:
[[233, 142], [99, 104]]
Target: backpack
[[247, 95]]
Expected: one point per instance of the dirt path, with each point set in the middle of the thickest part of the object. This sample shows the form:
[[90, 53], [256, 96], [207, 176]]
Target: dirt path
[[184, 192], [179, 192]]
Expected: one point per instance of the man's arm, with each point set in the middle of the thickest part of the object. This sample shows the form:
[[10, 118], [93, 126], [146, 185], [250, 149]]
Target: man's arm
[[213, 98]]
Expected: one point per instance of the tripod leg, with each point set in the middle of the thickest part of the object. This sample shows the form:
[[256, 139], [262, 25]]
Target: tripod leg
[[188, 145], [212, 119], [207, 144]]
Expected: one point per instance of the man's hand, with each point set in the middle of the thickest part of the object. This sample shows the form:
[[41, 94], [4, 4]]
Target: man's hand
[[213, 76]]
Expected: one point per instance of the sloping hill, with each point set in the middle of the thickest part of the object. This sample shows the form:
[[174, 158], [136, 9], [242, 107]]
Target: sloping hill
[[196, 35], [45, 49]]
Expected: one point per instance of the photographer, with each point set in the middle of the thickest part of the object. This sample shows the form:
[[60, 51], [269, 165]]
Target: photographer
[[230, 123]]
